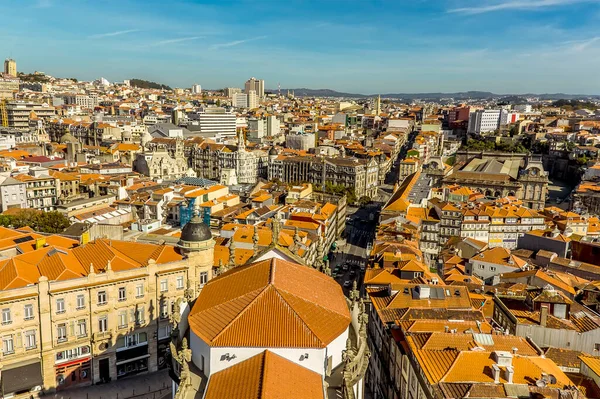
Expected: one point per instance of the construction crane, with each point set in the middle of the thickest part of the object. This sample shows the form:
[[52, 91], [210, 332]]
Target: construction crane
[[3, 113]]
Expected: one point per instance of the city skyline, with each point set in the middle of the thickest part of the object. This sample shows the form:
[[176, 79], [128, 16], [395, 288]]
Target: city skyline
[[425, 46]]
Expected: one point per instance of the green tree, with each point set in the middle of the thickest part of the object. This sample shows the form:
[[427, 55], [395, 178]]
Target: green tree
[[364, 200], [52, 222]]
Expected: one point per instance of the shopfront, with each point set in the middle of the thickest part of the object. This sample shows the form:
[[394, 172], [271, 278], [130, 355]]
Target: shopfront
[[72, 367], [21, 378], [132, 354]]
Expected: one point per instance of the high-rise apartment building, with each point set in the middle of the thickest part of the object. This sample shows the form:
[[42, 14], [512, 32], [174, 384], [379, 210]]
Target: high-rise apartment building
[[252, 99], [196, 89], [10, 67], [258, 85]]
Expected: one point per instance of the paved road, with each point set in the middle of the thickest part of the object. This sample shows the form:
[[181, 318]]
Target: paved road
[[145, 386], [558, 190]]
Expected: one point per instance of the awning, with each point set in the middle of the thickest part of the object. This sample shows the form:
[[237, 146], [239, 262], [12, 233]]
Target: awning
[[22, 378]]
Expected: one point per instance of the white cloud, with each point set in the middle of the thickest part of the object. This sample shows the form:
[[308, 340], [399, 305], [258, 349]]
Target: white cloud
[[181, 39], [110, 34], [516, 5], [580, 45], [235, 42]]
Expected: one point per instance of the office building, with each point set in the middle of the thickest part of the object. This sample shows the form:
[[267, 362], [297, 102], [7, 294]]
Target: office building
[[484, 121], [230, 91], [257, 85], [240, 100], [216, 122], [10, 67]]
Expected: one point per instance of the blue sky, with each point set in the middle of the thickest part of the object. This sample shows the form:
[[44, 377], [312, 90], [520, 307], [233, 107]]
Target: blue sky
[[505, 46]]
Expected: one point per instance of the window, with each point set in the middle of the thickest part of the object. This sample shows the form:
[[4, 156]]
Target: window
[[179, 282], [203, 278], [164, 331], [132, 340], [164, 309], [103, 323], [123, 319], [122, 294], [60, 305], [596, 347], [81, 328], [139, 291], [164, 285], [7, 345], [80, 301], [139, 315], [6, 319], [61, 332], [493, 268], [28, 312], [101, 297], [30, 339]]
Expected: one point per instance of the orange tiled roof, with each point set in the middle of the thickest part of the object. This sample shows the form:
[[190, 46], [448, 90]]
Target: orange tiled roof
[[270, 303], [265, 376]]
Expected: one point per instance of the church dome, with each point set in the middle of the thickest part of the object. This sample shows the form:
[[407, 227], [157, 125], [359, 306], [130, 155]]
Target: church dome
[[67, 138], [195, 230]]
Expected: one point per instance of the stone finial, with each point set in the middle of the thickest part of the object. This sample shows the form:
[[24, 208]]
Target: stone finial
[[327, 269], [108, 266], [297, 238], [276, 227], [255, 238], [354, 294], [91, 268], [231, 262]]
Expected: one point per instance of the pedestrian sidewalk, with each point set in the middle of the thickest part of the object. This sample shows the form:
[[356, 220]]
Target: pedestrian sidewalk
[[146, 386]]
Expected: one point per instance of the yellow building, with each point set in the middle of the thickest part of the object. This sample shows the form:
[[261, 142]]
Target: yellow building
[[77, 315]]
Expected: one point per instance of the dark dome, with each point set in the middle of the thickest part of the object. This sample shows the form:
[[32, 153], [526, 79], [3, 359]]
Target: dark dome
[[196, 230], [273, 151]]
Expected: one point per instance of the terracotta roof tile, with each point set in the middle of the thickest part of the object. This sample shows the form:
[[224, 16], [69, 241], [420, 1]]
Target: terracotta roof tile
[[263, 299]]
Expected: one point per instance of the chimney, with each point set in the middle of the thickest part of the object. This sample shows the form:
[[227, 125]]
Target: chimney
[[446, 328], [496, 373], [40, 242], [543, 316], [514, 350], [510, 372]]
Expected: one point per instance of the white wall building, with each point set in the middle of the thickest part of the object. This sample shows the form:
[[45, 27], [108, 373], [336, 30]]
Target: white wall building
[[196, 89], [484, 120], [216, 122]]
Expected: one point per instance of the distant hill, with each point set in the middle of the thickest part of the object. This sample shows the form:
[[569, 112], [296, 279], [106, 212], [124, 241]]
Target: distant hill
[[145, 84], [474, 95]]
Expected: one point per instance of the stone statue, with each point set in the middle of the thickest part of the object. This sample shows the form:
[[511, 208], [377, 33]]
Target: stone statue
[[354, 294], [327, 269], [183, 357], [175, 317]]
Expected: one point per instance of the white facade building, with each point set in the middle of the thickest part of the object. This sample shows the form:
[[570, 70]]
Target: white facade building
[[483, 121], [196, 89], [217, 122]]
